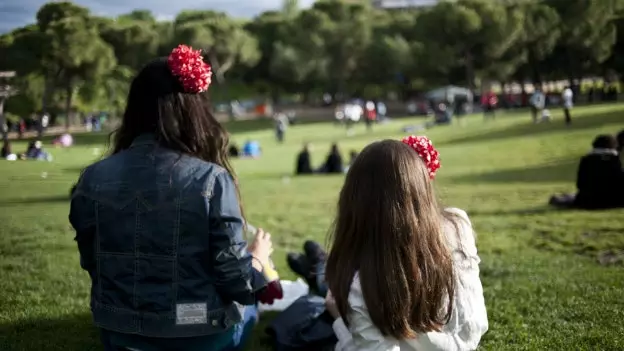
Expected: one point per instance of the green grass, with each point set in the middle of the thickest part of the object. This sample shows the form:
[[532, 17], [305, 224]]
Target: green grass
[[544, 287]]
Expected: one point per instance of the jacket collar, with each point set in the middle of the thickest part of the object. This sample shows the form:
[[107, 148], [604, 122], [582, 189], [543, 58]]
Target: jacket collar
[[604, 152], [144, 139]]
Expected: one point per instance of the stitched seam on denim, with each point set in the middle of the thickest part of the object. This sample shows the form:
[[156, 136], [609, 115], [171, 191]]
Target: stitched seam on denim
[[176, 242], [209, 192], [137, 227], [139, 255], [98, 249]]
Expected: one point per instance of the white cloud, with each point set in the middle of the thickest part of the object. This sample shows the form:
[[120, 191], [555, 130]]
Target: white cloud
[[15, 13]]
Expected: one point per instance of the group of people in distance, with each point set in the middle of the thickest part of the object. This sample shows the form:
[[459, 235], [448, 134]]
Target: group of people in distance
[[600, 178], [540, 113], [398, 277], [34, 151], [333, 163]]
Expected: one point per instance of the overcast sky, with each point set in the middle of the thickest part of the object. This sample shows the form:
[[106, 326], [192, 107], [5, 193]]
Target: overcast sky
[[16, 13]]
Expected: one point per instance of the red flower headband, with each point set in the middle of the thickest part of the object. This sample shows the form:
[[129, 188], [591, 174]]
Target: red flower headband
[[189, 67], [424, 148]]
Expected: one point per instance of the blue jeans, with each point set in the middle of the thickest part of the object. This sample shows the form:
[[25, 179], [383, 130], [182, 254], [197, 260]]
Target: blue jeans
[[231, 340]]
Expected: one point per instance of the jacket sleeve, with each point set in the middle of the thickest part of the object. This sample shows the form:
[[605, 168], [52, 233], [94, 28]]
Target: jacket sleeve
[[82, 219], [235, 278], [362, 334]]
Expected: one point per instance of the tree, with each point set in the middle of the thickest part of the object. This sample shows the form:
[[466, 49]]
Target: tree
[[540, 36], [72, 47], [299, 58], [269, 29], [223, 40], [135, 42], [588, 34], [346, 37], [470, 33]]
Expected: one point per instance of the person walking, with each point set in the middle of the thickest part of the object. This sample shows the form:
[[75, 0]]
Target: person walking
[[568, 102]]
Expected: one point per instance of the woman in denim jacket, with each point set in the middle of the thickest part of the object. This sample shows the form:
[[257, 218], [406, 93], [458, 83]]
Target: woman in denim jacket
[[159, 225]]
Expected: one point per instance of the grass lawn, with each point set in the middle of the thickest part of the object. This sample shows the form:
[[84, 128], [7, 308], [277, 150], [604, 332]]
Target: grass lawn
[[545, 288]]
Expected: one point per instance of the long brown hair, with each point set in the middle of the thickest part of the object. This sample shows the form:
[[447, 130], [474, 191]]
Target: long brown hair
[[157, 104], [389, 230]]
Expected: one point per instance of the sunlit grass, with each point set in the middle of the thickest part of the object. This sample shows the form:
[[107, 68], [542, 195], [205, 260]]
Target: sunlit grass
[[544, 286]]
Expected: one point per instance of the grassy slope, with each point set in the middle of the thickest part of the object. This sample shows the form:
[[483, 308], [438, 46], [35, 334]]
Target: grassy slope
[[544, 288]]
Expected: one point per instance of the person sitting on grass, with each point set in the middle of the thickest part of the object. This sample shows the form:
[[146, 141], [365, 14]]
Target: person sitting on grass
[[251, 149], [233, 151], [159, 224], [65, 140], [352, 156], [7, 152], [333, 164], [35, 152], [600, 179], [303, 161], [402, 272], [620, 141]]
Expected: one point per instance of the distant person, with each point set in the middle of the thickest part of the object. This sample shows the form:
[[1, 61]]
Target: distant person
[[7, 152], [304, 165], [442, 115], [65, 140], [333, 163], [489, 102], [251, 149], [21, 128], [35, 151], [600, 179], [382, 111], [537, 102], [233, 151], [281, 122], [371, 114], [568, 102], [352, 156], [620, 140]]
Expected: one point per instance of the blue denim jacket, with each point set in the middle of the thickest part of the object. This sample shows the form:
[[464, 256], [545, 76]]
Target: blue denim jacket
[[161, 235]]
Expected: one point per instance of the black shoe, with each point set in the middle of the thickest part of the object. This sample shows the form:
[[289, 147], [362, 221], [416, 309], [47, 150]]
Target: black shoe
[[299, 264], [314, 253]]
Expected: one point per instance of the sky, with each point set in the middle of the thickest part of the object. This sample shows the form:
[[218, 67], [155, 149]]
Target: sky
[[16, 13]]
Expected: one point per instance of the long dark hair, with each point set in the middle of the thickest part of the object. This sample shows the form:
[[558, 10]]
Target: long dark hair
[[180, 121], [390, 230]]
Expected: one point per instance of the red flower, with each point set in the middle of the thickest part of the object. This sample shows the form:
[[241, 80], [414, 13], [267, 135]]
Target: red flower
[[189, 67], [424, 148]]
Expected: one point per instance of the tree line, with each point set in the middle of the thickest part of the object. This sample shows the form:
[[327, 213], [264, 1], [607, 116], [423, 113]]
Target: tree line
[[72, 60]]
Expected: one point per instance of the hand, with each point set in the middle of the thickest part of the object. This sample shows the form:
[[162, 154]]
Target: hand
[[261, 248], [330, 305]]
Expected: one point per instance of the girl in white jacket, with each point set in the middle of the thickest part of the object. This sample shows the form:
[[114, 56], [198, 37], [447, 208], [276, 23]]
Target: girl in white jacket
[[403, 272]]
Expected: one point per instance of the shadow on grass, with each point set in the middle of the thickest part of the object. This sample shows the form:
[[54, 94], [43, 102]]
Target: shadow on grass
[[73, 332], [554, 172], [529, 129], [36, 200], [516, 212]]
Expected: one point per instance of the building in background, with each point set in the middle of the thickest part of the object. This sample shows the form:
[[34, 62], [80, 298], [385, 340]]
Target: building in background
[[401, 4]]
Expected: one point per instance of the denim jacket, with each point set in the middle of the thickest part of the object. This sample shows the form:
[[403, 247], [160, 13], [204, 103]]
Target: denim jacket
[[161, 236]]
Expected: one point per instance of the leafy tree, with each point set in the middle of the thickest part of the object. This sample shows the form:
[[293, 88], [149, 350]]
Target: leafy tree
[[72, 47], [470, 33], [223, 40], [346, 38], [588, 34]]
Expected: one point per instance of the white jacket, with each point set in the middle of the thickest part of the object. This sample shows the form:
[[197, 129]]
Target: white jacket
[[468, 320]]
